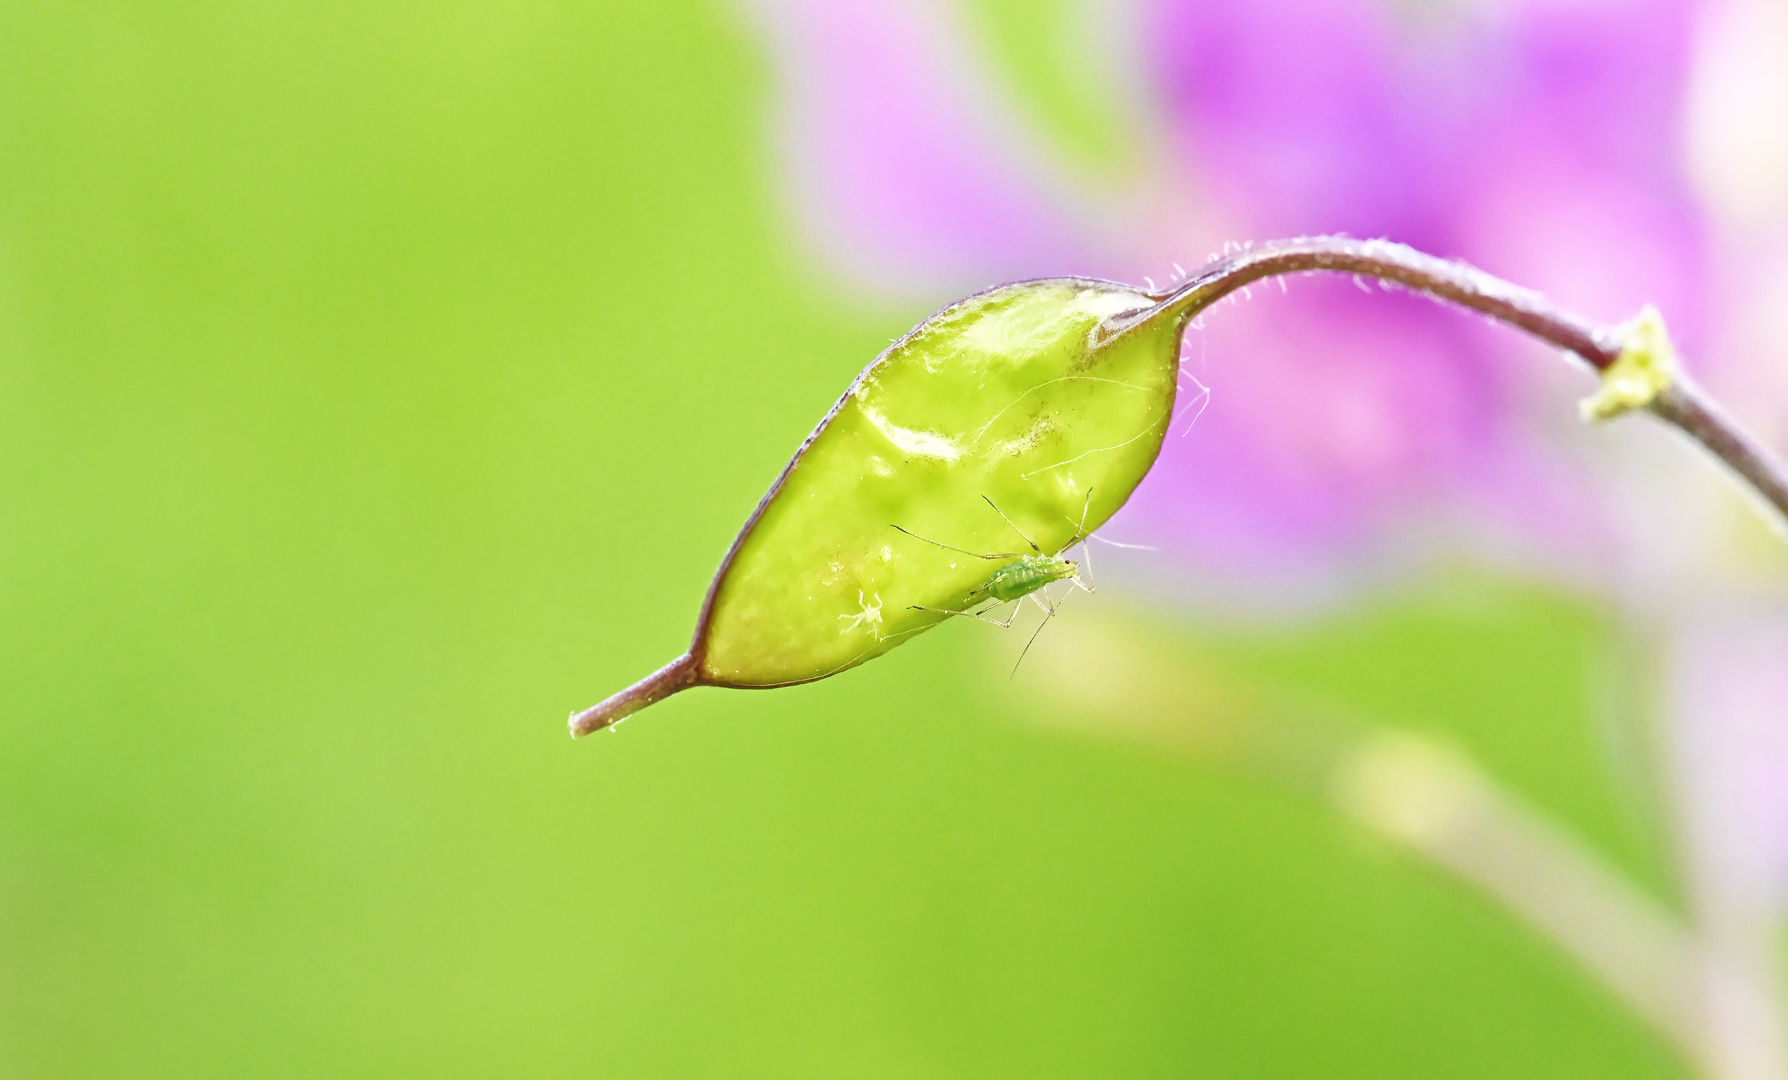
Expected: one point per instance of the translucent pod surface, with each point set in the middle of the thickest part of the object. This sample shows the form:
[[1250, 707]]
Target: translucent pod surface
[[1050, 398]]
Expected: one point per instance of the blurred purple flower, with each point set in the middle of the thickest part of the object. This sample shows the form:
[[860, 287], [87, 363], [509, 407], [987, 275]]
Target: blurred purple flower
[[1543, 140], [1539, 141]]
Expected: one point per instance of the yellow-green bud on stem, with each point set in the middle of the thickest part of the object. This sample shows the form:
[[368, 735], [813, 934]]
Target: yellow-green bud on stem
[[1645, 368]]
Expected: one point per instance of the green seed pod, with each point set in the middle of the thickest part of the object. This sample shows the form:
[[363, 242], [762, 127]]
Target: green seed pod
[[1048, 398]]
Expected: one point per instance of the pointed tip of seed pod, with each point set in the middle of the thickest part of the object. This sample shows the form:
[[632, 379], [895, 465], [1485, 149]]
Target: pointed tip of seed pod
[[679, 674]]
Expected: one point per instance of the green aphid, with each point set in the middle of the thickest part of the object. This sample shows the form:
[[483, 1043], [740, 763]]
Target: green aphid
[[1026, 575]]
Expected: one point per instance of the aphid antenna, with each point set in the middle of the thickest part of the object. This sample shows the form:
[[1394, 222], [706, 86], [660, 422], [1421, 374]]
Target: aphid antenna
[[964, 551], [1015, 528], [1079, 526], [1080, 537]]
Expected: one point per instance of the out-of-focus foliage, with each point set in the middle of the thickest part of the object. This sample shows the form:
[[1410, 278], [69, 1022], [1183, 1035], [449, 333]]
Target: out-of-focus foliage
[[379, 381]]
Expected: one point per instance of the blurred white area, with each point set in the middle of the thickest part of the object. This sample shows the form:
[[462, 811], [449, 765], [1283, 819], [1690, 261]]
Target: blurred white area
[[1738, 112], [1736, 146]]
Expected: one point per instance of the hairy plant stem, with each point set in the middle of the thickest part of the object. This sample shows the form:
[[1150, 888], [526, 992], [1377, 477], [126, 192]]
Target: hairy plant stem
[[1684, 405]]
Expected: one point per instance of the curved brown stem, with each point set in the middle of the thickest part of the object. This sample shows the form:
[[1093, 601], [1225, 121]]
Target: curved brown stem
[[1687, 407], [1684, 405]]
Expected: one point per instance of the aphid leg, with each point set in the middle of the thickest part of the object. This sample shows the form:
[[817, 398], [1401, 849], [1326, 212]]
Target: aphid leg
[[1007, 625], [1051, 609], [1080, 526], [1086, 556], [965, 551], [981, 615], [1080, 537], [1015, 528]]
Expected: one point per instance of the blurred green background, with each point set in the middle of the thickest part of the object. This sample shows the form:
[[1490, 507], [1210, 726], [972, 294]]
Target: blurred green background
[[380, 382]]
